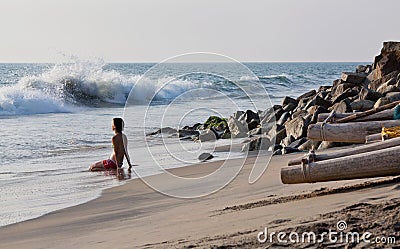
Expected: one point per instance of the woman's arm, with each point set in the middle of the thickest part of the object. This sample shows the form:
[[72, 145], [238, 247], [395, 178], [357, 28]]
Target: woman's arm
[[125, 141]]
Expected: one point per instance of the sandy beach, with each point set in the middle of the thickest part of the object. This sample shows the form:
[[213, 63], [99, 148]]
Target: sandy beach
[[135, 216]]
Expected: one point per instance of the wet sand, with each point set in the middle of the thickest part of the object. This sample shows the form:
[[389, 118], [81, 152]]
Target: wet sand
[[135, 216]]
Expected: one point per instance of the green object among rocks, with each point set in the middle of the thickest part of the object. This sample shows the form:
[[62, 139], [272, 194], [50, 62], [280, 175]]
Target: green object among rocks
[[215, 122], [396, 114]]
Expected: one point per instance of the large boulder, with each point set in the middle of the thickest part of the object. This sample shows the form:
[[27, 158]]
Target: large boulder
[[259, 143], [188, 133], [387, 62], [368, 94], [392, 97], [249, 115], [362, 105], [208, 135], [288, 100], [237, 128], [297, 127], [164, 130], [389, 59], [306, 95], [346, 94], [318, 101], [341, 88], [364, 69], [388, 86], [376, 83], [342, 107], [355, 78], [283, 118], [382, 101]]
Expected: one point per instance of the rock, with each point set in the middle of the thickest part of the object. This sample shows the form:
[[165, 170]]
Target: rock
[[188, 133], [389, 86], [253, 132], [215, 122], [226, 135], [289, 107], [355, 78], [388, 89], [288, 100], [341, 107], [341, 88], [249, 115], [297, 142], [297, 128], [279, 136], [346, 94], [368, 94], [300, 113], [285, 116], [237, 128], [205, 156], [392, 97], [362, 105], [253, 124], [337, 82], [277, 147], [316, 112], [238, 114], [165, 130], [319, 101], [271, 115], [309, 94], [376, 83], [208, 135], [287, 140], [382, 101], [277, 152], [389, 59], [259, 143], [363, 69], [324, 88]]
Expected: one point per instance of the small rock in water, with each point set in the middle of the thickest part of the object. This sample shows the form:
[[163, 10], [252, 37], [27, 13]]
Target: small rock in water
[[205, 156]]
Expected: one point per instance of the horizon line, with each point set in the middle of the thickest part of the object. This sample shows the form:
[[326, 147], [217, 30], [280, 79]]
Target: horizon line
[[149, 62]]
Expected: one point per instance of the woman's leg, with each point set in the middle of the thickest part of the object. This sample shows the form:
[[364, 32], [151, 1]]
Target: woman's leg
[[97, 166]]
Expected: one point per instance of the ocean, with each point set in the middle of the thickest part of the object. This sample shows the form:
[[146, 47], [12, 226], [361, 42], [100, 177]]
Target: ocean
[[56, 120]]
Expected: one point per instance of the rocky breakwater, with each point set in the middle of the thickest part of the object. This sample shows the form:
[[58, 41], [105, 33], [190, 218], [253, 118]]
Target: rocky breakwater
[[368, 87], [284, 128]]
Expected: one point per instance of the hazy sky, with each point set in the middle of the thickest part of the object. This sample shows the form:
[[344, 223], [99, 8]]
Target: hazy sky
[[150, 31]]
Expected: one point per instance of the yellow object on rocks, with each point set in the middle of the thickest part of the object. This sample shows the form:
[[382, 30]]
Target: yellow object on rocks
[[392, 132]]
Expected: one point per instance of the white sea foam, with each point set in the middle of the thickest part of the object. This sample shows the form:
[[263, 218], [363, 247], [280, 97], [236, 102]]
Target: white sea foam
[[67, 86]]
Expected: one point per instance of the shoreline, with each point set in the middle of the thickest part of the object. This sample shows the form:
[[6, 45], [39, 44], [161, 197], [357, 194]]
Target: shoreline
[[129, 214]]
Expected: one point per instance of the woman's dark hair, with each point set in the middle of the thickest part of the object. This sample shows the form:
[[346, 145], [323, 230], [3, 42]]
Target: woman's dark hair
[[119, 124]]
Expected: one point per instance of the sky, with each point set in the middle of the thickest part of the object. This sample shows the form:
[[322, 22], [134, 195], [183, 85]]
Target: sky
[[153, 30]]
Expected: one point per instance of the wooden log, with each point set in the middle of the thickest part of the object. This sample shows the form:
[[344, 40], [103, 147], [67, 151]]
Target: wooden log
[[378, 163], [374, 138], [383, 115], [348, 132], [367, 113], [351, 151]]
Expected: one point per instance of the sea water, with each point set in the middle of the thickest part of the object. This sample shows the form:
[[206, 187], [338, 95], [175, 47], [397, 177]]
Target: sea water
[[56, 121]]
